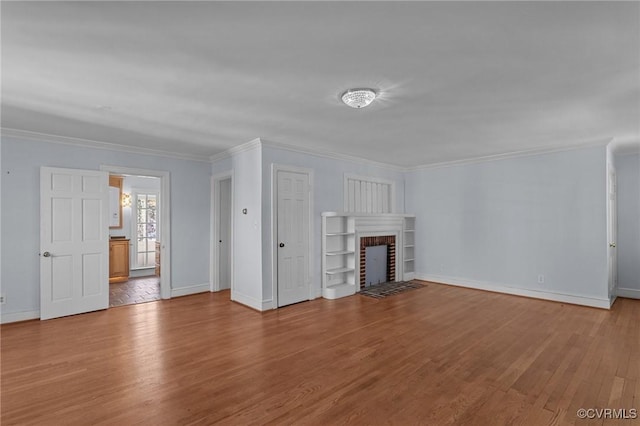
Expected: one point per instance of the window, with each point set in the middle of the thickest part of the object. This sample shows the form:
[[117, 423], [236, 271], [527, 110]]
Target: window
[[368, 195], [146, 229]]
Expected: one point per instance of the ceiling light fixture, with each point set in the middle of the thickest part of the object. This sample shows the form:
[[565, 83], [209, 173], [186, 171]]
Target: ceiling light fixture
[[358, 98]]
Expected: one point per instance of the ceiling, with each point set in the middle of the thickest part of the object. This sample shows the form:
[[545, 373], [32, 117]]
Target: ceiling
[[456, 80]]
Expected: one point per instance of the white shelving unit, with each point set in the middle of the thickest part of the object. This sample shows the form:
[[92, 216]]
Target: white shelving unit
[[408, 248], [338, 255], [341, 232]]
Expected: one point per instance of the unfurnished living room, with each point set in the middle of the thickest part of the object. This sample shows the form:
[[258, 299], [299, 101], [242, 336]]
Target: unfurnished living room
[[318, 212]]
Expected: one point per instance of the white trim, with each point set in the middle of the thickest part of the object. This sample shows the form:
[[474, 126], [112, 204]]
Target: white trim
[[142, 272], [165, 219], [19, 316], [625, 147], [508, 155], [275, 168], [192, 289], [247, 300], [631, 293], [332, 155], [302, 150], [351, 176], [45, 137], [87, 143], [497, 288], [247, 146], [214, 278]]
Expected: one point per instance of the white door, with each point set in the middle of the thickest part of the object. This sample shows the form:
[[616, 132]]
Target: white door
[[74, 241], [293, 237], [612, 232], [224, 235]]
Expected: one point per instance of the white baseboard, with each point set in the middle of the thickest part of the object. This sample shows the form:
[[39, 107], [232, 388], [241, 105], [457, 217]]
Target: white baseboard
[[192, 289], [249, 301], [143, 272], [545, 295], [631, 293], [19, 316], [267, 305]]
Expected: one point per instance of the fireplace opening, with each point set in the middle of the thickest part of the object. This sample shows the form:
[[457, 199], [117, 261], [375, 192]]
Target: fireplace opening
[[375, 265], [377, 260]]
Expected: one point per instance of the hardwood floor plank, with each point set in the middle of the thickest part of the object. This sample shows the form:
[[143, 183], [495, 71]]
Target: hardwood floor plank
[[439, 355]]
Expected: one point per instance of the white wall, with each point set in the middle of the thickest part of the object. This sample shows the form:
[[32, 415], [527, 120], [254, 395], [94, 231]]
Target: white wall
[[247, 228], [21, 162], [628, 244], [500, 224], [328, 196]]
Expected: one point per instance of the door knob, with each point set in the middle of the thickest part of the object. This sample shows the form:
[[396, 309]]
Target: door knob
[[281, 244], [612, 245], [46, 254]]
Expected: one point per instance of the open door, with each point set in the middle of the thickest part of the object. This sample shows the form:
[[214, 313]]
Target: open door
[[74, 241]]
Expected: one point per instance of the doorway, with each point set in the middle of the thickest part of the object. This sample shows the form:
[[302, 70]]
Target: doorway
[[134, 261], [149, 257], [222, 238]]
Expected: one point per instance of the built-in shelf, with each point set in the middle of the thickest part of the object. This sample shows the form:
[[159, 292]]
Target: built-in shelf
[[409, 248], [340, 236], [340, 252], [339, 270], [338, 255]]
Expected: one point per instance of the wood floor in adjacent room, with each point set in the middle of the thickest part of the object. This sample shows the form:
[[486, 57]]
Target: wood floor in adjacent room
[[434, 356]]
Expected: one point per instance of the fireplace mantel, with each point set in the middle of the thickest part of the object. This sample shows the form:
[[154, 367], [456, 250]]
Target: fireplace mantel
[[341, 234]]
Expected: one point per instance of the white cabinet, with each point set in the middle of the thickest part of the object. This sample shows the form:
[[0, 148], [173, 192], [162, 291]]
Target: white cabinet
[[338, 256], [408, 248]]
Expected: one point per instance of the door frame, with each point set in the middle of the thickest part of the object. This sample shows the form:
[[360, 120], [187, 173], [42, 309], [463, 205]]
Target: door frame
[[612, 225], [275, 168], [165, 218], [214, 277]]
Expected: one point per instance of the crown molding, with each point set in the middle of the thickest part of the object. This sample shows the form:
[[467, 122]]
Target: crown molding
[[510, 155], [257, 142], [247, 146], [620, 147], [332, 155], [308, 151], [87, 143]]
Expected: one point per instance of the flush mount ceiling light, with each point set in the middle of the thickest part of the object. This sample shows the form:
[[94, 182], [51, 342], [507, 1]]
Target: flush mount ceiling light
[[358, 98]]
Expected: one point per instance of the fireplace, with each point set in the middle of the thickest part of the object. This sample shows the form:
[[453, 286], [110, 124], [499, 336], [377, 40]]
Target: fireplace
[[385, 240]]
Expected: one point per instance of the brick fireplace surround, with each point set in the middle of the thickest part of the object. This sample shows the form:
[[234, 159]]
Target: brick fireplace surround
[[386, 240]]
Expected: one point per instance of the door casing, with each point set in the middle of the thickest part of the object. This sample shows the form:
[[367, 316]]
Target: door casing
[[165, 219], [612, 231]]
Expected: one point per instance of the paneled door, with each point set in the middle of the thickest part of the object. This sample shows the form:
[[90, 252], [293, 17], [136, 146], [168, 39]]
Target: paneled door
[[74, 241], [293, 237]]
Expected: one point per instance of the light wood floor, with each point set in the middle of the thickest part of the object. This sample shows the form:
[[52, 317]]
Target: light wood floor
[[434, 356]]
